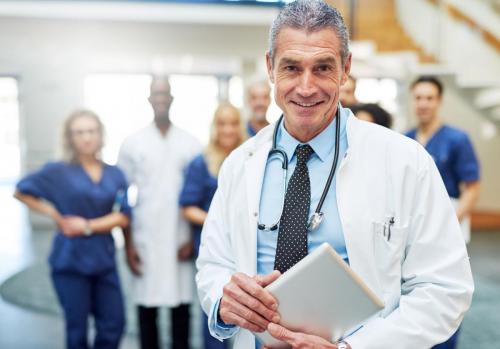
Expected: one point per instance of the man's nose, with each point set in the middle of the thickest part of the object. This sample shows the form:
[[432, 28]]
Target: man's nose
[[307, 86]]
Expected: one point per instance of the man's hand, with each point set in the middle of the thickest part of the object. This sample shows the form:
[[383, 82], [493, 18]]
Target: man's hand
[[298, 340], [185, 252], [245, 302], [133, 259]]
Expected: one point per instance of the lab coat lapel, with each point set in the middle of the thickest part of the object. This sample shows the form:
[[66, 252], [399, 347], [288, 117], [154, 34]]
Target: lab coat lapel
[[359, 248], [255, 166]]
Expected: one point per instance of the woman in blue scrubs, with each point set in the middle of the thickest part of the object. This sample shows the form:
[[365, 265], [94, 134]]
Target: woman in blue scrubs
[[200, 182], [86, 198]]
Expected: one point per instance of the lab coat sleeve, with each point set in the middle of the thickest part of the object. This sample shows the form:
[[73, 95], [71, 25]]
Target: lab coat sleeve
[[436, 285], [215, 262]]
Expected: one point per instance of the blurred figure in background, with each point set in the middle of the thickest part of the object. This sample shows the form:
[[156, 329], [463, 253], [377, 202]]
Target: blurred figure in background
[[453, 153], [86, 198], [372, 112], [259, 99], [201, 182], [158, 247], [347, 90]]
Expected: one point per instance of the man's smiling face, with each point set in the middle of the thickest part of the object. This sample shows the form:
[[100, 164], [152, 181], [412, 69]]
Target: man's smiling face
[[307, 72]]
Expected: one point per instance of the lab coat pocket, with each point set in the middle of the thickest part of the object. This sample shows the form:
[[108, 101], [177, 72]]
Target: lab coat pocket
[[389, 253]]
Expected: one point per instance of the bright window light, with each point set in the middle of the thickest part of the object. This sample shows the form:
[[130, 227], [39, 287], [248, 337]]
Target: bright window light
[[9, 131], [121, 101]]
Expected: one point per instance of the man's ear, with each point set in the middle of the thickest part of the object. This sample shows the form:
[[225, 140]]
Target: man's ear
[[269, 64], [347, 69]]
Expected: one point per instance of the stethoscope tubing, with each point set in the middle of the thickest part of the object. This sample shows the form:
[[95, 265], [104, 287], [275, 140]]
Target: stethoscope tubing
[[275, 150]]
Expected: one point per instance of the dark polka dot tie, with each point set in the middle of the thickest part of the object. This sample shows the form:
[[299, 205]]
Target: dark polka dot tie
[[292, 237]]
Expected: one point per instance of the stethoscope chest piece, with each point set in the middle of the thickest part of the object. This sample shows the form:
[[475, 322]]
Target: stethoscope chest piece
[[315, 221]]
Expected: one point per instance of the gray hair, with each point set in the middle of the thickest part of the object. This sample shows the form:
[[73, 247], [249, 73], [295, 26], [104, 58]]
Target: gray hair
[[311, 16]]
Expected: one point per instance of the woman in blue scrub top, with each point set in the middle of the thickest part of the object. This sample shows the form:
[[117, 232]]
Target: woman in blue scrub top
[[200, 182], [86, 198]]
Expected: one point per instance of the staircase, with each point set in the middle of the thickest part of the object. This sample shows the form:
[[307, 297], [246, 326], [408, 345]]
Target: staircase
[[382, 48], [377, 21]]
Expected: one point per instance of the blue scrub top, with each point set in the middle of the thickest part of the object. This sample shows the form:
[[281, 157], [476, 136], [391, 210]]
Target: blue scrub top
[[250, 130], [72, 192], [198, 190], [454, 156]]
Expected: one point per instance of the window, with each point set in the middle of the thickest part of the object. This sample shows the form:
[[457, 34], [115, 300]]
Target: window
[[10, 152], [121, 101]]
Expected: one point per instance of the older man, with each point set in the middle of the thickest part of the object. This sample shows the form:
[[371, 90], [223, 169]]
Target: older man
[[259, 99], [422, 272]]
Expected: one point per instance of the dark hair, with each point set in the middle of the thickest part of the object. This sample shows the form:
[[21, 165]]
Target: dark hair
[[380, 115], [431, 80]]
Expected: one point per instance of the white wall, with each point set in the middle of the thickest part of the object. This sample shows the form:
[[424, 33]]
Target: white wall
[[52, 57]]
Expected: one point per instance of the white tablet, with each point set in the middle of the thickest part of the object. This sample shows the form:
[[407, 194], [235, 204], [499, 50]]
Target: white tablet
[[321, 295]]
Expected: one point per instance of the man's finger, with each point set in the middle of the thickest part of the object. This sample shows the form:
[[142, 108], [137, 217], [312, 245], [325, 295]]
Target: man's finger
[[244, 312], [281, 333], [250, 286], [264, 280], [235, 319], [239, 295]]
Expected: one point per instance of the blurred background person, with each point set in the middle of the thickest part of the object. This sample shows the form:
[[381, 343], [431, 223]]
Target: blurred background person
[[201, 183], [158, 247], [453, 153], [450, 147], [259, 99], [86, 198], [372, 112], [347, 90]]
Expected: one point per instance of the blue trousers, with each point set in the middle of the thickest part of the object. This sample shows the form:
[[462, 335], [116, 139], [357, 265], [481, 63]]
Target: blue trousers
[[451, 343], [84, 295], [210, 342]]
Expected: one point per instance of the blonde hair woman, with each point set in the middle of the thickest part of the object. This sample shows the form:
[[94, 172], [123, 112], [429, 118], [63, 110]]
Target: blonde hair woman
[[86, 198], [201, 181]]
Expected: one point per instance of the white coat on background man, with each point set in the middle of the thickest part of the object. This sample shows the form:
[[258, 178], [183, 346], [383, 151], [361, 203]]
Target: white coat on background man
[[159, 245], [155, 164], [421, 272]]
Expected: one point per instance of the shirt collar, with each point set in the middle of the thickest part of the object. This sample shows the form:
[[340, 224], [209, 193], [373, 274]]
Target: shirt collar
[[323, 144]]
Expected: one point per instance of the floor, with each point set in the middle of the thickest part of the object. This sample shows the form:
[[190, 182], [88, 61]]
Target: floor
[[25, 328]]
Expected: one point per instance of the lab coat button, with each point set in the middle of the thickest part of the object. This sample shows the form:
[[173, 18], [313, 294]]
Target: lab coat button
[[255, 214]]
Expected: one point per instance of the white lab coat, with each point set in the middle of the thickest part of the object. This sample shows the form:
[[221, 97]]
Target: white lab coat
[[423, 272], [155, 164]]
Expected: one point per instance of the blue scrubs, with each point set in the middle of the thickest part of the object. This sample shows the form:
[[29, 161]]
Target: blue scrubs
[[84, 271], [250, 130], [199, 189], [456, 161], [454, 156]]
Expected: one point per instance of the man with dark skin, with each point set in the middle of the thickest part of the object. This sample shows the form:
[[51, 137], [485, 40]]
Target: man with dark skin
[[159, 244]]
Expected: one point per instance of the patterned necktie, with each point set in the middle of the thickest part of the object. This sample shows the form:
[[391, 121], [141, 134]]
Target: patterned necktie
[[292, 237]]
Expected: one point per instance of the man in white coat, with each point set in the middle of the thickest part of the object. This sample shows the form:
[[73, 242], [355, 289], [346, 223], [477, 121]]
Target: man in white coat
[[159, 247], [384, 183]]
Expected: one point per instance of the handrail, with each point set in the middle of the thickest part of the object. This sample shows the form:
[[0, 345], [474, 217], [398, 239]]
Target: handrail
[[460, 16]]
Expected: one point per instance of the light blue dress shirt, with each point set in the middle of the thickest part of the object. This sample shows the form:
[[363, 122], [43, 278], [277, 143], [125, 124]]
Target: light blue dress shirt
[[271, 201]]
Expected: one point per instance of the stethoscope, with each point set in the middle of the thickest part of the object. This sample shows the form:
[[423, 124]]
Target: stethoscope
[[317, 217]]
